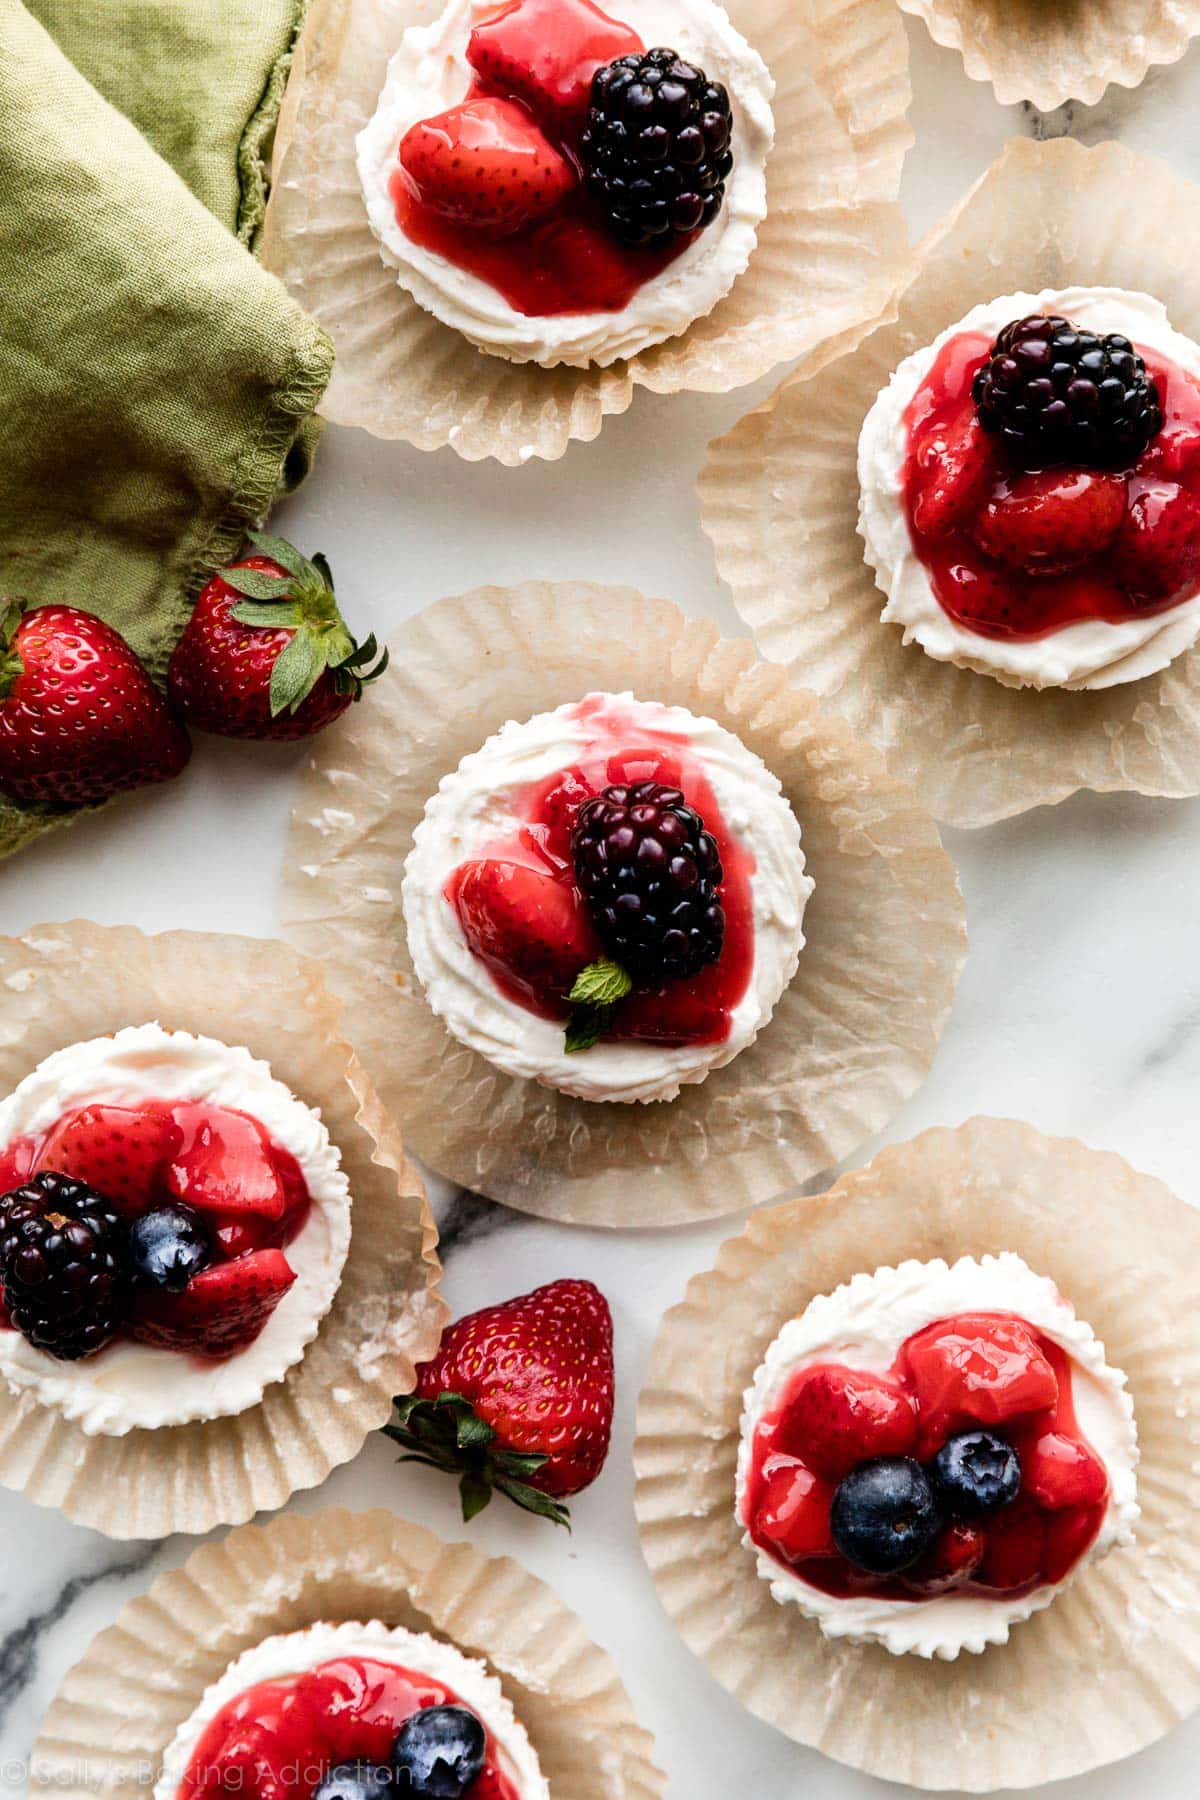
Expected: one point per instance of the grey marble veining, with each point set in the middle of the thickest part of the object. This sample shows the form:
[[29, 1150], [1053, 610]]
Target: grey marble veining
[[1079, 1008]]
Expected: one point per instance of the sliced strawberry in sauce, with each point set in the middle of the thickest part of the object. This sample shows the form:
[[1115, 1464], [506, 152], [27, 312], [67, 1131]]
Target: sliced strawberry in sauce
[[1175, 452], [16, 1162], [220, 1311], [954, 1559], [975, 1369], [239, 1236], [224, 1163], [1158, 550], [1068, 1535], [961, 466], [1016, 1546], [545, 53], [793, 1513], [533, 932], [486, 165], [684, 1013], [1052, 520], [838, 1417], [552, 817], [121, 1152], [1060, 1472]]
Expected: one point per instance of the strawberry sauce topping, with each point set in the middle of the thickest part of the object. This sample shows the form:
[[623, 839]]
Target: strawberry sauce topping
[[223, 1168], [988, 1371], [522, 913], [494, 186], [1020, 555], [278, 1739]]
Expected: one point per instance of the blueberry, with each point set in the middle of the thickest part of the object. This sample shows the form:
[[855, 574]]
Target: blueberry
[[168, 1246], [438, 1753], [885, 1515], [976, 1473], [357, 1781]]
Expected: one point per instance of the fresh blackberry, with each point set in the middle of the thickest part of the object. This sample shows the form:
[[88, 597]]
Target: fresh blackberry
[[656, 147], [651, 875], [63, 1265], [1056, 394]]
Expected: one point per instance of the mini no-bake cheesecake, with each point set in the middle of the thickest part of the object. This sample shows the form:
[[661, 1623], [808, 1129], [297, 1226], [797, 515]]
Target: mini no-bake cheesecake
[[566, 187], [353, 1712], [1030, 490], [930, 1452], [607, 898], [173, 1226]]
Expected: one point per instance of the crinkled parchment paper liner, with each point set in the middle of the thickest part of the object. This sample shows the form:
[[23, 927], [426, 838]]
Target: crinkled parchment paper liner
[[854, 1034], [65, 983], [829, 251], [1114, 1662], [119, 1708], [1065, 50], [779, 499]]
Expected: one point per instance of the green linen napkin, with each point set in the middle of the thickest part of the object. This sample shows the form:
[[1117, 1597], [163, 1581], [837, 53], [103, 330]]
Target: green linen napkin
[[155, 383]]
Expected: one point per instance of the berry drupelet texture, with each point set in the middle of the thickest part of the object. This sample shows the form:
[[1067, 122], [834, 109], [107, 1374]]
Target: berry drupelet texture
[[651, 875], [63, 1266], [656, 147], [1054, 394]]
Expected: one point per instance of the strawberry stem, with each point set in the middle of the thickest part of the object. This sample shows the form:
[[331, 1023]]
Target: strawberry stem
[[302, 601], [447, 1433]]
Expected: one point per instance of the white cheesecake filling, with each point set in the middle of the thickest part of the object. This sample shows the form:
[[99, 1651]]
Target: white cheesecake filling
[[429, 72], [473, 809], [1090, 654], [130, 1386], [296, 1652], [863, 1324]]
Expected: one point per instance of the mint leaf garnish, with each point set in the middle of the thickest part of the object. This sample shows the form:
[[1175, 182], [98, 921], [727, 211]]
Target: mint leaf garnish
[[598, 991]]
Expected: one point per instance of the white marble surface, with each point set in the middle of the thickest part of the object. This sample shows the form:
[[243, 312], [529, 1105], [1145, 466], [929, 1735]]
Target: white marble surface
[[1079, 1009]]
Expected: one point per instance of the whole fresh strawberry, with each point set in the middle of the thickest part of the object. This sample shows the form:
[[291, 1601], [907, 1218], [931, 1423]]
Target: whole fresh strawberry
[[80, 719], [519, 1398], [266, 653]]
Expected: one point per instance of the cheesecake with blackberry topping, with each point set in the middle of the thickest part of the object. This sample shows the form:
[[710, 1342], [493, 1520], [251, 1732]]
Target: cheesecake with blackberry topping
[[607, 898], [564, 186], [353, 1712], [929, 1453], [173, 1226], [1030, 490]]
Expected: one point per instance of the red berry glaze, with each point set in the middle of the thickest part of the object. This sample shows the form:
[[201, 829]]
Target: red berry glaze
[[521, 911], [545, 52], [840, 1417], [793, 1511], [988, 1370], [977, 1369], [531, 929], [121, 1151], [533, 64], [951, 1563], [1020, 556], [485, 164], [220, 1311], [277, 1739], [249, 1189]]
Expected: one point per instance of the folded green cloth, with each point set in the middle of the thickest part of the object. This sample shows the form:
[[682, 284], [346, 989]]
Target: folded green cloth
[[155, 383]]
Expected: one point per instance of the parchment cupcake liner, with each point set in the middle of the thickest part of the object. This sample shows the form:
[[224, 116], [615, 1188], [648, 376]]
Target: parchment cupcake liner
[[779, 499], [855, 1032], [1114, 1661], [1069, 50], [66, 983], [115, 1714], [829, 251]]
